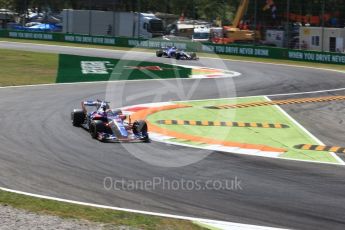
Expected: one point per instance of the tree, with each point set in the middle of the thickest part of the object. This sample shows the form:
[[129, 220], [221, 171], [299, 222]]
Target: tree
[[6, 4]]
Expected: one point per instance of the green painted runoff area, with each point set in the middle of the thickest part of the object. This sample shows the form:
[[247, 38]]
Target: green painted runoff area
[[281, 138], [73, 68]]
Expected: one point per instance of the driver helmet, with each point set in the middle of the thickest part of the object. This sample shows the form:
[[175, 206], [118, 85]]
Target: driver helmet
[[105, 107], [123, 116]]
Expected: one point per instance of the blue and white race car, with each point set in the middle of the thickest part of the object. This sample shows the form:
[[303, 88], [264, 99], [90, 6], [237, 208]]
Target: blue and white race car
[[107, 124], [173, 52]]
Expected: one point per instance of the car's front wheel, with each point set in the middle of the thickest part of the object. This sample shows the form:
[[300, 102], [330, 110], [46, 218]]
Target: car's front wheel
[[78, 117], [96, 127], [140, 128], [159, 53]]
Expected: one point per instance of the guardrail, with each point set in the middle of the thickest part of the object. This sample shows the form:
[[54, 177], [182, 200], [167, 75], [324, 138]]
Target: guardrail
[[232, 49]]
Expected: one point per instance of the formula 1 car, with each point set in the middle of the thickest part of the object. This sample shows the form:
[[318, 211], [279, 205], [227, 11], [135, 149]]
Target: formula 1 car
[[169, 52], [107, 124], [173, 52]]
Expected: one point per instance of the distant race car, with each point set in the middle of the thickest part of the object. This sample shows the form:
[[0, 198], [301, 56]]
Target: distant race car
[[107, 124], [173, 52]]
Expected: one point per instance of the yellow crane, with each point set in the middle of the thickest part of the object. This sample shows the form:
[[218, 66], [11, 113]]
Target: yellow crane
[[233, 33]]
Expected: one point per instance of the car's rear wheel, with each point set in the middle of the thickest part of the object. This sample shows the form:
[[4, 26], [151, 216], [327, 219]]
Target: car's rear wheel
[[178, 56], [78, 117], [96, 127], [140, 127], [193, 56]]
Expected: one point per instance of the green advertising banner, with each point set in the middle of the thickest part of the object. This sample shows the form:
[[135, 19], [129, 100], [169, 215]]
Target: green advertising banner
[[156, 44], [275, 53], [99, 40], [229, 49], [31, 35], [74, 68], [319, 57], [252, 51], [3, 33]]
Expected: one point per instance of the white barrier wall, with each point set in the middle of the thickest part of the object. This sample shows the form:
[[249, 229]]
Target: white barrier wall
[[127, 29], [102, 22], [99, 22]]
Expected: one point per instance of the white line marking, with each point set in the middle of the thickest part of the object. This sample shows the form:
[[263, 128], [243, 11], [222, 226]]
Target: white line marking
[[117, 81], [236, 227], [227, 225], [270, 95], [341, 162], [275, 155], [221, 148], [259, 155], [287, 65]]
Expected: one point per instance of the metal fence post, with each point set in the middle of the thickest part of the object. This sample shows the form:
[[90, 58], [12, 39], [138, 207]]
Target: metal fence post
[[90, 17], [114, 19], [323, 26], [67, 21], [139, 27], [288, 24], [25, 12], [255, 21]]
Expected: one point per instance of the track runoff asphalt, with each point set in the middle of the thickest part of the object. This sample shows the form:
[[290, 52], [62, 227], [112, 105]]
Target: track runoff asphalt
[[41, 152]]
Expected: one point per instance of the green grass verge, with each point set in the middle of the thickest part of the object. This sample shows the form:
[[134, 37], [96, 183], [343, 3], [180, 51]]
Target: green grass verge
[[105, 216], [27, 68], [226, 57], [281, 138]]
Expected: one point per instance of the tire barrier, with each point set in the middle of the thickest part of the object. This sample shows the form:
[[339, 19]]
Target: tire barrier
[[223, 124], [333, 149]]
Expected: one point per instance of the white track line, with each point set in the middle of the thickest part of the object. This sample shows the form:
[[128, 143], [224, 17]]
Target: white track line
[[102, 82], [318, 141], [208, 148], [269, 95], [216, 223]]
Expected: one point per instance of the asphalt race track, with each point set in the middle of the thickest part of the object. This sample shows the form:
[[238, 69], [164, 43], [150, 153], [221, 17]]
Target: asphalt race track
[[41, 152]]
